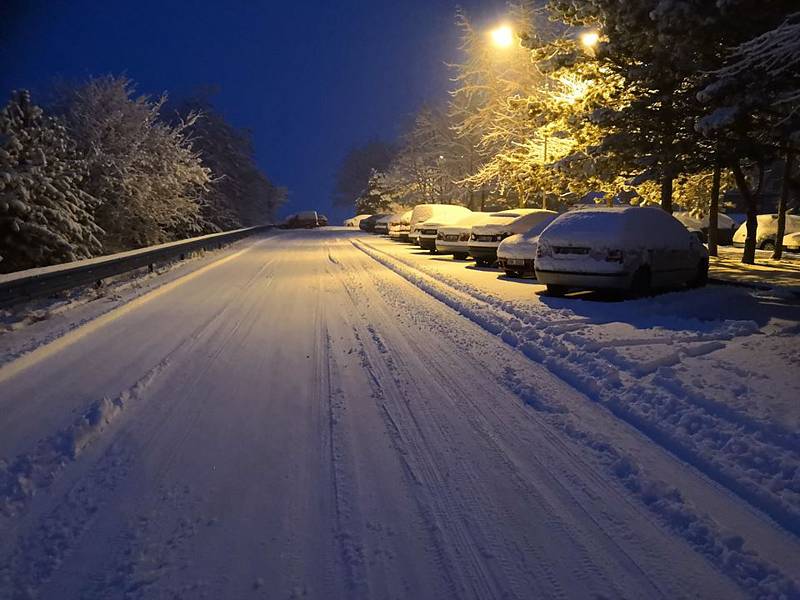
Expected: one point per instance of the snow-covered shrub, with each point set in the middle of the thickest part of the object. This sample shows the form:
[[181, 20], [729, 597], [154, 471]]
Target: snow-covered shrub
[[144, 171]]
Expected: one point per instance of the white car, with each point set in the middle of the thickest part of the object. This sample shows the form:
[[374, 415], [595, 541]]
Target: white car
[[486, 238], [429, 230], [791, 242], [632, 248], [382, 224], [516, 254], [767, 230], [433, 212], [725, 225], [399, 226], [454, 239], [354, 221]]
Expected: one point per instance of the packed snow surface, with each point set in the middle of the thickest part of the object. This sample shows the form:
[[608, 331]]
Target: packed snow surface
[[328, 414]]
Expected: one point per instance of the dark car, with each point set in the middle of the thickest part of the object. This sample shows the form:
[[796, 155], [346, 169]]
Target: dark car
[[369, 223], [307, 219]]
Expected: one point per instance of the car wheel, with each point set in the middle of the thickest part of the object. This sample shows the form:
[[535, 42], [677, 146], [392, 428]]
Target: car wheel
[[701, 277], [479, 262], [556, 290], [515, 274], [460, 255], [640, 284], [768, 245], [432, 250]]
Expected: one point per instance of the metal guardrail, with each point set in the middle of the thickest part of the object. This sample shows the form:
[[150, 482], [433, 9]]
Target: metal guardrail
[[43, 282]]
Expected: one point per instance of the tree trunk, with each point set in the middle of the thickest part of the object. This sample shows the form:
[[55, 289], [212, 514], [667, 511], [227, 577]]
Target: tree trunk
[[666, 190], [713, 211], [787, 171], [749, 254]]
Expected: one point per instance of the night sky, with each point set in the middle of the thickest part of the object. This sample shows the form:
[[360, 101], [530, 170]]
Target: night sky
[[309, 79]]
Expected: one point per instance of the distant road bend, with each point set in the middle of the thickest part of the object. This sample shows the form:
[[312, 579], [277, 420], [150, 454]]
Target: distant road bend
[[300, 421]]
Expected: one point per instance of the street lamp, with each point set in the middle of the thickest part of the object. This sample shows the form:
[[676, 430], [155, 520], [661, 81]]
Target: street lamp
[[502, 36], [589, 39]]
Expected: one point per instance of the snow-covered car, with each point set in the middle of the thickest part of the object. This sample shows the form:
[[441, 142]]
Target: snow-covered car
[[516, 254], [454, 239], [399, 226], [725, 225], [382, 224], [791, 242], [429, 230], [369, 223], [306, 219], [767, 230], [354, 221], [485, 238], [632, 248], [433, 212]]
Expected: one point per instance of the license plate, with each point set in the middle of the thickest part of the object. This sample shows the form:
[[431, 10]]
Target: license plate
[[516, 261]]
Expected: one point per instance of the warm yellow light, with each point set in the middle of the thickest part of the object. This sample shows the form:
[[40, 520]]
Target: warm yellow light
[[590, 38], [502, 36]]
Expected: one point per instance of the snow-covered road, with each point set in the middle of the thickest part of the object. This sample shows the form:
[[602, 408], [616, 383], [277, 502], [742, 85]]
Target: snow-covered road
[[324, 415]]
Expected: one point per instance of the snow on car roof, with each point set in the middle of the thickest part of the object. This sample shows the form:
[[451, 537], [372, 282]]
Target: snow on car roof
[[698, 222], [628, 227], [424, 212]]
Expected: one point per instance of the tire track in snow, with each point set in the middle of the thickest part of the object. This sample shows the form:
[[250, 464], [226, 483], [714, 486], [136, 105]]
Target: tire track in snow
[[489, 424], [724, 550], [760, 466], [391, 373], [45, 536], [23, 475]]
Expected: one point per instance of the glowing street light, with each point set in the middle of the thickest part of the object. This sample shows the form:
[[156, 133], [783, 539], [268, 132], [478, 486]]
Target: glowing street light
[[589, 39], [502, 36]]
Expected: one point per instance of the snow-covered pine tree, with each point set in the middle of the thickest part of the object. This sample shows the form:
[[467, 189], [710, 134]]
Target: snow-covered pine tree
[[378, 197], [648, 44], [753, 103], [352, 176], [45, 215]]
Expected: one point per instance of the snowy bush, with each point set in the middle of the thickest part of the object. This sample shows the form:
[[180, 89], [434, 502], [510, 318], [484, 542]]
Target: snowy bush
[[147, 176]]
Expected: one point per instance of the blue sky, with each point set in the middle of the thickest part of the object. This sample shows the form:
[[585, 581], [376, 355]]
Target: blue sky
[[309, 79]]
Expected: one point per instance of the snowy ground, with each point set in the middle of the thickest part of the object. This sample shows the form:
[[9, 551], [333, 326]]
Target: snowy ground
[[328, 414], [784, 273]]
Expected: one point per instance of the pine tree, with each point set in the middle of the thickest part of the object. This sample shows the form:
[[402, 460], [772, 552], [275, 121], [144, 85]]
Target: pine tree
[[356, 169], [753, 104], [45, 216]]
